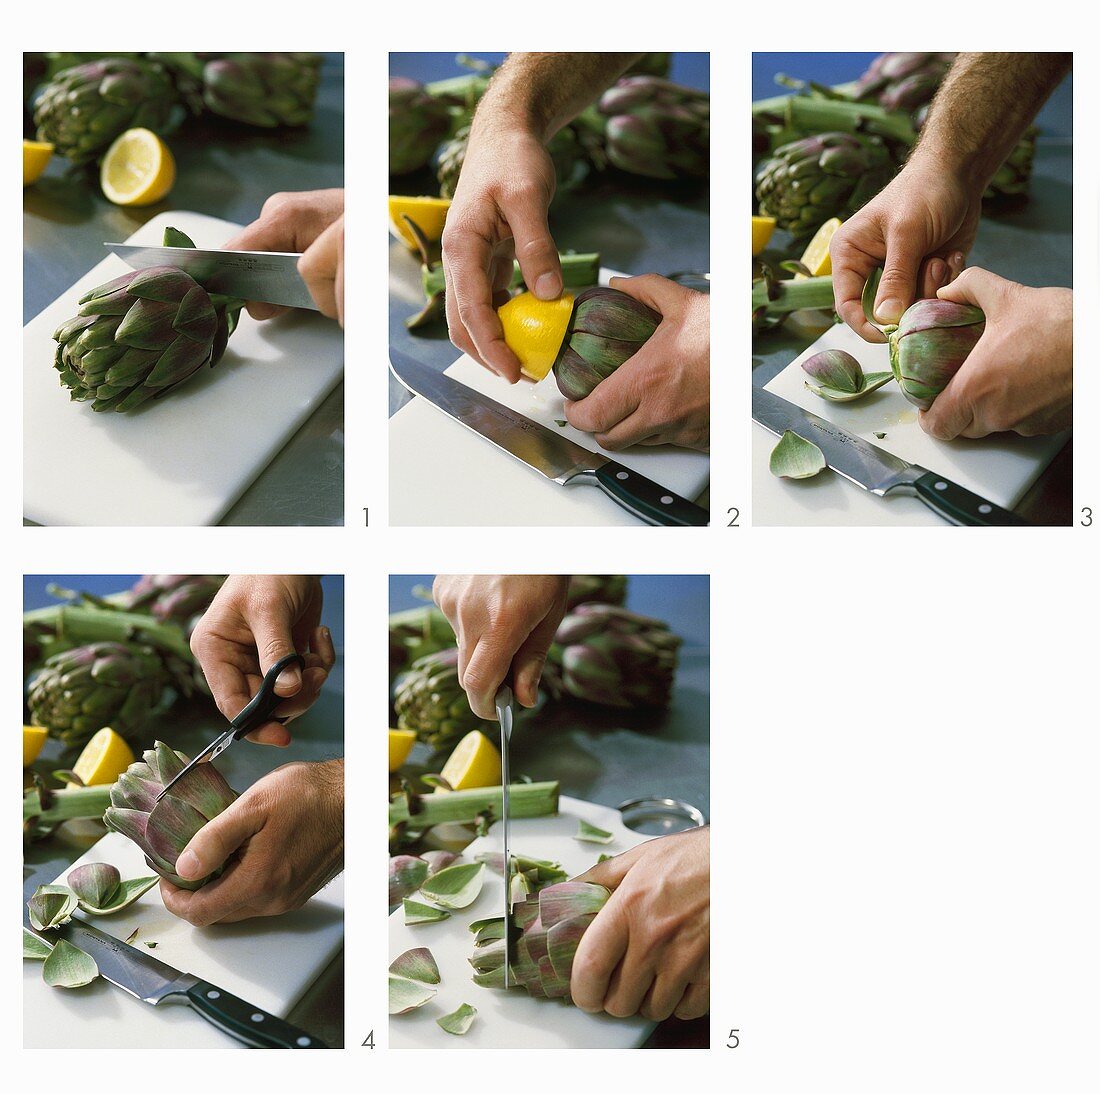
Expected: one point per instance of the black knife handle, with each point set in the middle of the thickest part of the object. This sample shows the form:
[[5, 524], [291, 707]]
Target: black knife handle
[[648, 500], [263, 703], [247, 1023], [958, 505]]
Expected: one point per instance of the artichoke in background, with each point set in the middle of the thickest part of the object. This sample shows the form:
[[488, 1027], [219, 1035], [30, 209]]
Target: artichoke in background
[[596, 588], [903, 81], [418, 122], [430, 701], [657, 129], [606, 328], [83, 109], [175, 598], [162, 829], [616, 658], [651, 64], [929, 345], [139, 336]]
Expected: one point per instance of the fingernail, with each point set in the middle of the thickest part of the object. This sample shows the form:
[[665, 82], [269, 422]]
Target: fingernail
[[187, 865], [889, 310], [937, 270], [548, 287], [290, 677]]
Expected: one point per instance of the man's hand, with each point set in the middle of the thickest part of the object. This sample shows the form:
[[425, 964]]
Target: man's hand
[[1020, 374], [498, 214], [310, 223], [283, 839], [919, 229], [662, 394], [647, 951], [254, 621], [504, 625]]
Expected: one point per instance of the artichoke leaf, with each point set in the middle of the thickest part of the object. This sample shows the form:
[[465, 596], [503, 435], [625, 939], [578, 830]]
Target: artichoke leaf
[[69, 967], [35, 948], [455, 886], [796, 458], [458, 1021], [589, 833]]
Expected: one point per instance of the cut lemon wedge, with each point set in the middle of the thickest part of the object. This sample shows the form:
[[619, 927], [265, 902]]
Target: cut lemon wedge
[[401, 743], [36, 154], [138, 169], [105, 757], [475, 762], [534, 330], [816, 255], [762, 229], [34, 737], [429, 215]]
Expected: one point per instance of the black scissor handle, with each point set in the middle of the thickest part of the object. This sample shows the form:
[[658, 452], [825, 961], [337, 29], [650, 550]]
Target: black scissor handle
[[263, 703]]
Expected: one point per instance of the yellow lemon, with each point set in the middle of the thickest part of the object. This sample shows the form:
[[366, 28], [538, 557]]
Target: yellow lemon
[[401, 743], [36, 154], [534, 330], [474, 762], [138, 169], [429, 215], [816, 255], [762, 228], [34, 737], [104, 758]]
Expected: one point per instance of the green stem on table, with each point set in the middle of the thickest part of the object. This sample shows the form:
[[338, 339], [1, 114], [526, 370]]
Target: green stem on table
[[466, 806], [793, 295]]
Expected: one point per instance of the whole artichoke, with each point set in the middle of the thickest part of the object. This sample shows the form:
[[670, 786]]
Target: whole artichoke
[[142, 334], [162, 829], [418, 122], [903, 81], [596, 588], [176, 598], [83, 109], [809, 181], [929, 345], [430, 701], [81, 690], [657, 129], [616, 658], [607, 327]]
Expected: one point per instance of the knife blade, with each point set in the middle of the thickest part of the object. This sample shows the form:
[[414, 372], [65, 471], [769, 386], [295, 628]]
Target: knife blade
[[876, 470], [154, 982], [270, 276], [503, 704], [555, 457]]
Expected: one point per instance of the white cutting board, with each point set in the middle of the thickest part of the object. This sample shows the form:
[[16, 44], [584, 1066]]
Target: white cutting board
[[269, 962], [512, 1019], [1000, 468], [186, 458], [443, 474]]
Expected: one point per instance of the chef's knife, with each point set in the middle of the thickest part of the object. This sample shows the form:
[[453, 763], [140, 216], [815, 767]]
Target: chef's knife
[[558, 458], [154, 982], [503, 704], [876, 470], [270, 276]]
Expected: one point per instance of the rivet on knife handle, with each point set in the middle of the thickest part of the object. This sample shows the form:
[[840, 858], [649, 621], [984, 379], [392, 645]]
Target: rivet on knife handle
[[653, 503]]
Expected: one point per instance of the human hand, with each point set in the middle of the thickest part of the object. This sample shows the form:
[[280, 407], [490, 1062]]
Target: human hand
[[310, 223], [498, 214], [505, 625], [661, 395], [283, 840], [647, 951], [919, 229], [254, 621], [1020, 374]]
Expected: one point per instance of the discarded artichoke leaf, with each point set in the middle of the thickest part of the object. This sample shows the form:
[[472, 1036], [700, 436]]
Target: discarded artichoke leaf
[[68, 967], [561, 423], [456, 886], [132, 935], [51, 906], [152, 945], [795, 458], [837, 376], [458, 1021], [407, 995], [415, 912], [34, 947], [880, 436], [589, 833], [418, 964], [479, 925], [604, 858], [438, 860], [407, 874], [94, 883], [127, 892]]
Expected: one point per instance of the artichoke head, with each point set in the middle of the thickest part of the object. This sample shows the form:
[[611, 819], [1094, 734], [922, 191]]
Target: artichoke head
[[929, 345]]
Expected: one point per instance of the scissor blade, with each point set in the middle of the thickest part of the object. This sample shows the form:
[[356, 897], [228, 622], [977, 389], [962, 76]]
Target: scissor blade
[[504, 714], [270, 276], [215, 748]]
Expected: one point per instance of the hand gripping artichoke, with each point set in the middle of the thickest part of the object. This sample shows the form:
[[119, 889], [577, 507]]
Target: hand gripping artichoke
[[141, 335], [162, 829]]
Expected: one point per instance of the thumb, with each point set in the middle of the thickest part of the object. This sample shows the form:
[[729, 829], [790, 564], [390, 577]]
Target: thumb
[[898, 287], [611, 872], [536, 253], [654, 291], [972, 286], [212, 845], [274, 641]]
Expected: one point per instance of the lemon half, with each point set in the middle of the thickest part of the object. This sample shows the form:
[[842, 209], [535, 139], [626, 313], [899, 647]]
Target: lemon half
[[474, 762], [401, 743], [816, 256], [762, 229], [105, 757], [34, 737], [429, 215], [36, 154], [534, 330], [138, 169]]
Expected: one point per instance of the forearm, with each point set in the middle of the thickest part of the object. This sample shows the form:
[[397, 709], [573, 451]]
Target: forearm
[[540, 92], [982, 109]]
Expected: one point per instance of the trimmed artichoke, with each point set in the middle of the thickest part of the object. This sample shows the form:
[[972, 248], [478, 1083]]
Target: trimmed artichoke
[[809, 181], [79, 691], [162, 829], [141, 335], [418, 122], [929, 345], [616, 658], [430, 701], [83, 109], [607, 327]]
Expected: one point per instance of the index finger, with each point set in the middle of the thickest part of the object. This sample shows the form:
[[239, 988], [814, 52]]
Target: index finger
[[601, 949], [610, 402], [851, 268]]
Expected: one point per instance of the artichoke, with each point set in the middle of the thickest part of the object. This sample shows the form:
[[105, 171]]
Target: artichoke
[[903, 81], [551, 924], [616, 658], [606, 328], [809, 181], [83, 109], [596, 588], [418, 122], [929, 345], [162, 829], [430, 701], [116, 684], [657, 129], [174, 598], [140, 335]]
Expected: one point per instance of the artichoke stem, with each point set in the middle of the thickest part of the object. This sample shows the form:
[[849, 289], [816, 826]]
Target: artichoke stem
[[465, 806]]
